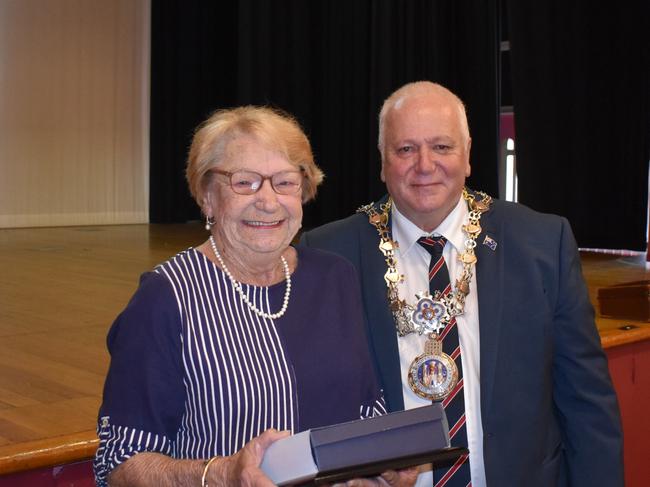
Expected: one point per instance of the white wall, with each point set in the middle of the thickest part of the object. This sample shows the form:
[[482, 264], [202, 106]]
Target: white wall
[[74, 112]]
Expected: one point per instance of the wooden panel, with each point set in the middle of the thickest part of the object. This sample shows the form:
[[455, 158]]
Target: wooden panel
[[71, 475], [74, 112], [44, 453], [629, 366]]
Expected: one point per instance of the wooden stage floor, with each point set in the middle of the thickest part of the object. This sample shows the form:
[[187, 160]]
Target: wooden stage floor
[[61, 288]]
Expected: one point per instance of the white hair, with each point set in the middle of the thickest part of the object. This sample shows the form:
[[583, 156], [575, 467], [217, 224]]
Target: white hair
[[417, 88]]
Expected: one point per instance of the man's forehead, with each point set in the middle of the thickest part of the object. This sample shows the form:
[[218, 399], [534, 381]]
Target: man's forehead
[[432, 102], [436, 119], [438, 115]]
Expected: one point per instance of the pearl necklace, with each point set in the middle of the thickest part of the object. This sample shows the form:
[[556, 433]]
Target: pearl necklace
[[242, 294]]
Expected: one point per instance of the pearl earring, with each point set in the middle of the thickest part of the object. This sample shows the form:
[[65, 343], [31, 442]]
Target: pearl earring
[[209, 221]]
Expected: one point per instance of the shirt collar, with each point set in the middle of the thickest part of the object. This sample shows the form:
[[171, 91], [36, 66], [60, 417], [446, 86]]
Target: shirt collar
[[407, 233]]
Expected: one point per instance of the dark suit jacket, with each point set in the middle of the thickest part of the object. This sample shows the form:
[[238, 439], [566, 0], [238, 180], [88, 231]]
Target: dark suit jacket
[[549, 411]]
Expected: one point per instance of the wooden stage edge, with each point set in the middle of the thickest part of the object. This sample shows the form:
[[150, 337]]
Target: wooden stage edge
[[49, 452], [62, 287]]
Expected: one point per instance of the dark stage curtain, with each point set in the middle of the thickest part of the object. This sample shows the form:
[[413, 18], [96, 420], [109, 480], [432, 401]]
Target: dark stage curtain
[[581, 94], [331, 64]]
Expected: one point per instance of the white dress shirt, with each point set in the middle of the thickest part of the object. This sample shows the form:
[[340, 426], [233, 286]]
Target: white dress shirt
[[413, 263]]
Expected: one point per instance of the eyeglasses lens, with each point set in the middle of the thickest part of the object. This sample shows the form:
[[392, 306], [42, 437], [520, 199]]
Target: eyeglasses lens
[[246, 182]]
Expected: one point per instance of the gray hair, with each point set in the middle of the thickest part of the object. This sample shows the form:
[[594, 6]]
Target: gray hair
[[417, 88], [277, 129]]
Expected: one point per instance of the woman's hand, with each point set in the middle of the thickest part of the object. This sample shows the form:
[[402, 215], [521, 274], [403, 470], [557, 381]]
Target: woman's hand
[[242, 468]]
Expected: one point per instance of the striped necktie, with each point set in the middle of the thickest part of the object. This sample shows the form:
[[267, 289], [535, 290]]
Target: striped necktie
[[457, 475]]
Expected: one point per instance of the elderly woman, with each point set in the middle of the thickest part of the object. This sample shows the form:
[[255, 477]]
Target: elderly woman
[[231, 345]]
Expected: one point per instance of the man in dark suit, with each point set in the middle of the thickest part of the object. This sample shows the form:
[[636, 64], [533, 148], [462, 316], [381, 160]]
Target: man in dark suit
[[537, 407]]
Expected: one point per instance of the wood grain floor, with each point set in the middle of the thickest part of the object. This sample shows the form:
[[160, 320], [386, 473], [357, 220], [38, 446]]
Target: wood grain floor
[[61, 288]]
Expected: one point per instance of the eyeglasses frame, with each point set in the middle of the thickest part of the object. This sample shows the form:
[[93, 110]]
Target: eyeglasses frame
[[230, 174]]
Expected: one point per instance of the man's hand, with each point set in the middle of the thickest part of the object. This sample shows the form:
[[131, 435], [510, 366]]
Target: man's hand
[[390, 478]]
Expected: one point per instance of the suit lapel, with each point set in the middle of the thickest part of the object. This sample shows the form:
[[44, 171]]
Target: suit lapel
[[489, 279], [380, 320], [489, 276]]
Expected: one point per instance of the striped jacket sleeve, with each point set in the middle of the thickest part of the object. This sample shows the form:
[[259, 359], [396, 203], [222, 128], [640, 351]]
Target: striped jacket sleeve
[[143, 400], [119, 443]]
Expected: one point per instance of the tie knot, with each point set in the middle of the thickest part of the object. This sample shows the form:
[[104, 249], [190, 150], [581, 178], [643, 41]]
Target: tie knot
[[433, 245]]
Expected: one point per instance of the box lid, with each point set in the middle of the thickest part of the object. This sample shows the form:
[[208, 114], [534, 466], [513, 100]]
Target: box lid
[[362, 447], [356, 429], [289, 460]]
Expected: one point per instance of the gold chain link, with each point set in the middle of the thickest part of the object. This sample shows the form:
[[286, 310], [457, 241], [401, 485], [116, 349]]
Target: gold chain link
[[455, 300]]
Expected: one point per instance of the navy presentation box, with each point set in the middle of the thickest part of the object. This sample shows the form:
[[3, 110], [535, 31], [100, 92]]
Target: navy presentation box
[[362, 448]]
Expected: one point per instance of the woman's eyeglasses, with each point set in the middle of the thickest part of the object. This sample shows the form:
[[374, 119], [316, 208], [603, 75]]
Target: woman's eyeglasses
[[250, 182]]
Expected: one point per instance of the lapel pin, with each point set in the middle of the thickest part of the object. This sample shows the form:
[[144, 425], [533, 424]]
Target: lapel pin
[[490, 242]]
